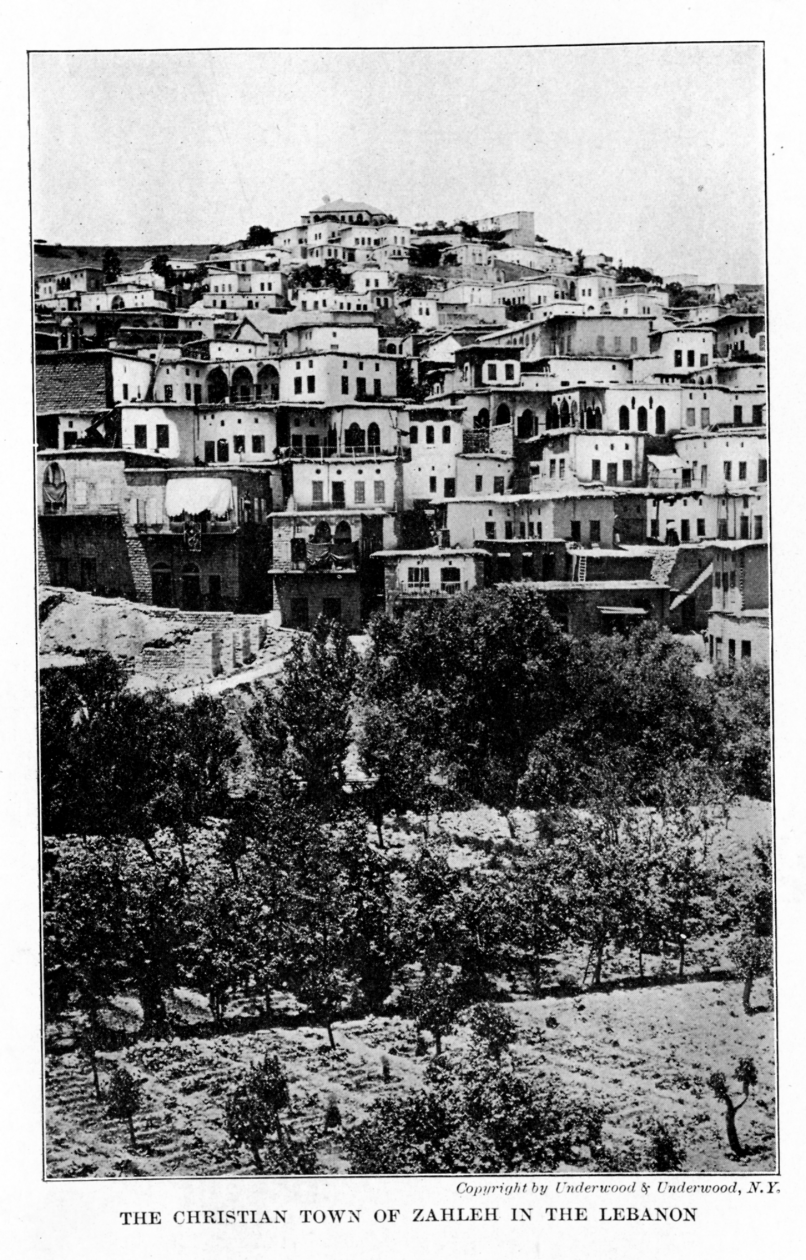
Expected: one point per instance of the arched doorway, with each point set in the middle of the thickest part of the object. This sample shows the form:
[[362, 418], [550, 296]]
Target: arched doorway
[[642, 420], [217, 386], [322, 532], [660, 420], [624, 418], [191, 587], [503, 414], [373, 437], [268, 383], [162, 586], [242, 385]]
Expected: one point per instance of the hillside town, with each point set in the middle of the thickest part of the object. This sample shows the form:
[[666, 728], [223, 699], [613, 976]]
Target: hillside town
[[349, 414]]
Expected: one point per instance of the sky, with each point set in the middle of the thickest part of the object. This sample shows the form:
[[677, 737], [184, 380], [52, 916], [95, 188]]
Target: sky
[[652, 153]]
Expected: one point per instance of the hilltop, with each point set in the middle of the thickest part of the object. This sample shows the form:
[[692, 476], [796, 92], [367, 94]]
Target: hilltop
[[56, 257]]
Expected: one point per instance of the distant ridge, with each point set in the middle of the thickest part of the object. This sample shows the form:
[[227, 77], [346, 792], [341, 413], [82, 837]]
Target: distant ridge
[[49, 257]]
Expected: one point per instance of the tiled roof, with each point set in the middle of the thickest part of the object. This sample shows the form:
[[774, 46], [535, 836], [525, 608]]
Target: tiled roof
[[71, 385]]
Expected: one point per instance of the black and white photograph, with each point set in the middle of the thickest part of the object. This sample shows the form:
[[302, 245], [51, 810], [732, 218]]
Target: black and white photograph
[[402, 475]]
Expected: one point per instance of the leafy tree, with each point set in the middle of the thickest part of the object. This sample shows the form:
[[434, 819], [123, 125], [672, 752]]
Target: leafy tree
[[87, 1046], [752, 957], [427, 254], [161, 266], [518, 311], [223, 915], [537, 913], [409, 284], [123, 1099], [83, 899], [751, 951], [111, 265], [627, 275], [258, 235], [493, 1027], [253, 1108], [484, 668], [746, 1074], [743, 707], [435, 1003]]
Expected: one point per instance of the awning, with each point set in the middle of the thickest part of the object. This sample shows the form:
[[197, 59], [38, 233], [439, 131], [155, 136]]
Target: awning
[[623, 612], [198, 494]]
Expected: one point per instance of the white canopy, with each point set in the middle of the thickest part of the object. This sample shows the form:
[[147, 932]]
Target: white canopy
[[198, 494]]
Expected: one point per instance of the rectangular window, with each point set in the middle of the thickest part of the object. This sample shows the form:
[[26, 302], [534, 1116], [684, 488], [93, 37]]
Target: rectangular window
[[758, 526], [140, 436], [690, 358], [380, 491], [376, 389], [498, 485], [633, 345], [704, 475], [600, 345], [509, 371], [758, 414], [703, 360], [746, 650], [197, 397], [705, 416], [311, 384], [446, 434], [337, 492], [744, 526], [612, 474], [762, 470], [678, 358], [163, 440], [492, 371], [169, 393], [209, 452], [654, 528], [627, 470], [413, 435], [479, 484], [742, 471], [552, 467], [727, 469], [617, 344], [187, 391], [239, 444], [509, 531], [432, 485], [685, 474], [596, 531], [450, 487], [125, 392], [298, 390], [429, 435], [345, 384], [360, 387], [489, 529], [561, 470], [737, 415], [317, 491], [576, 531], [258, 444], [700, 527], [299, 612], [360, 492], [691, 416], [732, 651], [685, 532], [596, 470]]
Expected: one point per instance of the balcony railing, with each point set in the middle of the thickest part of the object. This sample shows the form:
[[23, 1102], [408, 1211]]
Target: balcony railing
[[421, 590]]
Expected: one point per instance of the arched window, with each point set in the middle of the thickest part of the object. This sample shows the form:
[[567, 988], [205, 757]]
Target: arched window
[[268, 383], [624, 418], [481, 421], [344, 535], [446, 433], [565, 413], [552, 417], [354, 438], [503, 415], [54, 490], [642, 420], [322, 532], [660, 420], [526, 424], [574, 411], [373, 437]]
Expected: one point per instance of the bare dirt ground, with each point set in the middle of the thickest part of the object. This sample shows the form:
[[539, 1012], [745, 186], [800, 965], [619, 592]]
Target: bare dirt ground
[[643, 1052]]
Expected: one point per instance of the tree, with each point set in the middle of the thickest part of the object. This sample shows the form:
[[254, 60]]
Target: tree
[[436, 1002], [746, 1074], [253, 1108], [124, 1096], [409, 284], [518, 311], [743, 707], [161, 266], [258, 235], [111, 265], [628, 275], [493, 1027]]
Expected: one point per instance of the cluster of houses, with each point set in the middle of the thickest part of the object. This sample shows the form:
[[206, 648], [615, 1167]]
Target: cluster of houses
[[337, 448]]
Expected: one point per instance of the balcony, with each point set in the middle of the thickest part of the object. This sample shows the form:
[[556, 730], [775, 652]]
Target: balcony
[[421, 590]]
